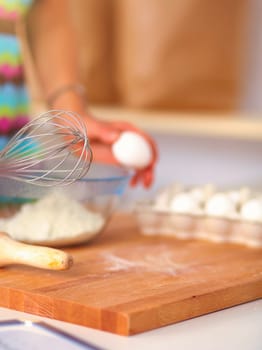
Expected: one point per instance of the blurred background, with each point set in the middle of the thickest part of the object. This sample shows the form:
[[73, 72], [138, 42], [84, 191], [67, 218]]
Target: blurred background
[[186, 71]]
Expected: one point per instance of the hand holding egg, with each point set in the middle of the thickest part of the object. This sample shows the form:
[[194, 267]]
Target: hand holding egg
[[124, 144], [137, 151]]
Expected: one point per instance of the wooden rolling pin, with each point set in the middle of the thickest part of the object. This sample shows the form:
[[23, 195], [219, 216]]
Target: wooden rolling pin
[[13, 252]]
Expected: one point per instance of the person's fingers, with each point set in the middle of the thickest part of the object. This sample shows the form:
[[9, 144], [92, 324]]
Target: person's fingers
[[145, 177], [148, 177], [101, 130], [102, 153], [135, 180], [109, 132]]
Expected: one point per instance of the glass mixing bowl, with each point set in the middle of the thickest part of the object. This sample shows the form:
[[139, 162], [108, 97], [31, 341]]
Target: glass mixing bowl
[[62, 215]]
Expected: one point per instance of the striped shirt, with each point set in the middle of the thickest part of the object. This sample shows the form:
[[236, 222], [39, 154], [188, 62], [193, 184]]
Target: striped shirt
[[14, 98]]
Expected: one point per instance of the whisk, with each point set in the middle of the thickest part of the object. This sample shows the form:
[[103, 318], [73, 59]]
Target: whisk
[[52, 149]]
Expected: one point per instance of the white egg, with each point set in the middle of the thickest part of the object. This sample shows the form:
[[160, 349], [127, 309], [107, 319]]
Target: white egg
[[252, 210], [201, 194], [132, 150], [161, 201], [234, 196], [239, 196], [198, 194], [165, 195], [221, 205], [209, 190], [184, 203]]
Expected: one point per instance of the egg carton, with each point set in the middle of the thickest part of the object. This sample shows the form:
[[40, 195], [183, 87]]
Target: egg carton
[[155, 220]]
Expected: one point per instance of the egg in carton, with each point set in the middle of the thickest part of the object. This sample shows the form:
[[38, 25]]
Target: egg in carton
[[184, 206], [232, 216], [248, 229], [185, 210], [204, 213], [164, 197], [216, 224]]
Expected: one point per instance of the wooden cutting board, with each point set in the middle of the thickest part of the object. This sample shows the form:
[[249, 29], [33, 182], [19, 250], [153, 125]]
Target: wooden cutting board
[[126, 283]]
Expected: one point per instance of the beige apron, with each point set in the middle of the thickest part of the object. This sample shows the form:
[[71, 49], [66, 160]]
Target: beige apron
[[171, 54]]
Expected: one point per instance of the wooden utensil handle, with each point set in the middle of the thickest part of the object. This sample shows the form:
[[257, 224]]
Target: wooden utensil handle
[[13, 252]]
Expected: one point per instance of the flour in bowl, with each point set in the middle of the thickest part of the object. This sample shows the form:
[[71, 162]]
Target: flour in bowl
[[52, 217]]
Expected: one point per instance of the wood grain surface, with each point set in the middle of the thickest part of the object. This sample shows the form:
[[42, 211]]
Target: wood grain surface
[[126, 283]]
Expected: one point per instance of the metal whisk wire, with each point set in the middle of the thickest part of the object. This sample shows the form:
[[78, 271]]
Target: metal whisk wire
[[52, 149]]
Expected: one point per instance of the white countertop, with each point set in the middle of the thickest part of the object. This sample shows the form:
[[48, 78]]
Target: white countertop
[[236, 328]]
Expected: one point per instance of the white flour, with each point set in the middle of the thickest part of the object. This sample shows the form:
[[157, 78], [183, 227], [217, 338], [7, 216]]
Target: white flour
[[52, 217], [162, 263]]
